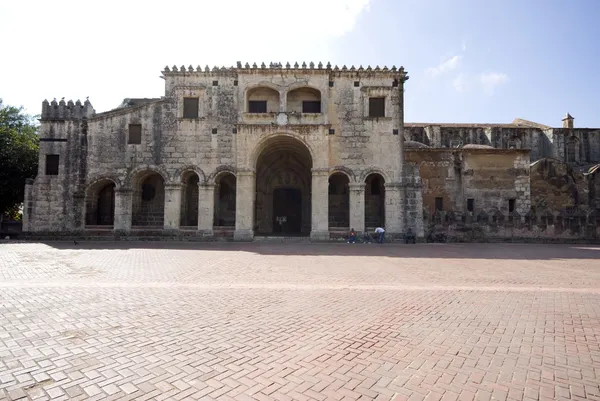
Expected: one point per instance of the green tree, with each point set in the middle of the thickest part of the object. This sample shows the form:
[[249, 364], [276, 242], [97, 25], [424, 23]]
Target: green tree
[[19, 145]]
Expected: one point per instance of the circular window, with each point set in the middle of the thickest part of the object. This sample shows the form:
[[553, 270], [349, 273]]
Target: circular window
[[148, 192]]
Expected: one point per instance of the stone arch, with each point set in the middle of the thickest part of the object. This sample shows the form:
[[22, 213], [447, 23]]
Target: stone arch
[[263, 92], [283, 165], [374, 170], [343, 170], [297, 96], [271, 142], [190, 180], [374, 200], [148, 198], [180, 173], [224, 169], [339, 200], [225, 182], [100, 202], [141, 171]]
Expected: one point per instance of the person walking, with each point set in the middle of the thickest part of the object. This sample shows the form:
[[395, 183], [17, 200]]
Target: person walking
[[380, 231]]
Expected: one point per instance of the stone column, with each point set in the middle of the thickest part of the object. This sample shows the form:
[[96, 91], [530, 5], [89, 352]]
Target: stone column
[[28, 205], [394, 199], [320, 205], [123, 210], [357, 206], [419, 226], [172, 206], [244, 205], [206, 208]]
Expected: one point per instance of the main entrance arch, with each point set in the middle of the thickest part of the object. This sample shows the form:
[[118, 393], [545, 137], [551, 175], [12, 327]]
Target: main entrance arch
[[283, 188]]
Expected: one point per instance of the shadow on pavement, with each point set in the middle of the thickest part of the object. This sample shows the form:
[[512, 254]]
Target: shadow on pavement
[[443, 251]]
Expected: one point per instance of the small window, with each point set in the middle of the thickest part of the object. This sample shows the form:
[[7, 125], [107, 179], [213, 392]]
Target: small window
[[52, 164], [439, 204], [190, 107], [511, 205], [470, 204], [135, 134], [376, 107], [257, 106], [311, 106]]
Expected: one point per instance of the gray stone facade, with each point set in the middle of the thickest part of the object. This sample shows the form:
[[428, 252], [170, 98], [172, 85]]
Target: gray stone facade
[[248, 150], [303, 150]]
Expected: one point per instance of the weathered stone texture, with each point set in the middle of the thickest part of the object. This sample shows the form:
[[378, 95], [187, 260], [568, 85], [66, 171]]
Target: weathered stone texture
[[238, 165], [490, 177]]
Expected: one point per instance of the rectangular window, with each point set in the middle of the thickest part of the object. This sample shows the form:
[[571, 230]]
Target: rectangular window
[[135, 134], [511, 205], [470, 204], [439, 204], [52, 164], [376, 107], [257, 106], [190, 107], [311, 106]]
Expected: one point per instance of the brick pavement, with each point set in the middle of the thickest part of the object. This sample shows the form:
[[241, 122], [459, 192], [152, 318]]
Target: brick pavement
[[299, 321]]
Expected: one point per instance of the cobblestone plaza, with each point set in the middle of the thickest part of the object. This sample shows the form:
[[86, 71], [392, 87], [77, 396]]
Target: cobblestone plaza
[[264, 321]]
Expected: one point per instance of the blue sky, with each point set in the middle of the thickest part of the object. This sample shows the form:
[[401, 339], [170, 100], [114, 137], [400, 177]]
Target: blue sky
[[485, 61]]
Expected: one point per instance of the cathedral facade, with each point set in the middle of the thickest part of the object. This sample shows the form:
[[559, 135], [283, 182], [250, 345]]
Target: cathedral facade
[[245, 151], [292, 150]]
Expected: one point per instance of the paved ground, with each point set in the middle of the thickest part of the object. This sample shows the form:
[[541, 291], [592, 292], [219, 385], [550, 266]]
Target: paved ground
[[306, 321]]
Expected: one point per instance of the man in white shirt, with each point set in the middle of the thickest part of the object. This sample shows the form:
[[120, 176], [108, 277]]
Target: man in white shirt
[[380, 234]]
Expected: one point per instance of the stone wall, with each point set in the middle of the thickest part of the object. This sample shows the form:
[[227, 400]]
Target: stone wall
[[542, 141], [490, 177], [97, 148]]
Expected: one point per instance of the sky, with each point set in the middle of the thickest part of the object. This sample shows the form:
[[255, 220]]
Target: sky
[[469, 61]]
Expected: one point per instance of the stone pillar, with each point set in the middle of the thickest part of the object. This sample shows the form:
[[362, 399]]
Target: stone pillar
[[394, 200], [320, 205], [172, 206], [206, 208], [123, 209], [28, 205], [419, 225], [78, 210], [357, 206], [244, 205]]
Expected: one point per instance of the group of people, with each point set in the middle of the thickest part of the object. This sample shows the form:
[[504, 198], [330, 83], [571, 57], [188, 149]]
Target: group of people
[[379, 232]]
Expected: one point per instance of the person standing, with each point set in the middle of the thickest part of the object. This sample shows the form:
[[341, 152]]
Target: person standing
[[380, 231]]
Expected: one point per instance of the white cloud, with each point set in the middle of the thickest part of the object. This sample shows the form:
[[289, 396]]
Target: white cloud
[[459, 83], [117, 50], [490, 80], [463, 46], [446, 66]]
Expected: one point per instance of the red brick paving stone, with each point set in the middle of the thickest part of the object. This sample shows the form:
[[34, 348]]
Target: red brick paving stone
[[301, 316]]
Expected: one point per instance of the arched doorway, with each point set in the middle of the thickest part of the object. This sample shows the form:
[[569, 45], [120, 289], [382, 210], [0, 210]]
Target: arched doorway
[[100, 204], [189, 199], [374, 201], [148, 200], [283, 188], [225, 191], [339, 201]]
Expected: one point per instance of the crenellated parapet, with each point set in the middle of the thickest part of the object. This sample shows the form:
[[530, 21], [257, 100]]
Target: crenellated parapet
[[296, 67], [60, 111]]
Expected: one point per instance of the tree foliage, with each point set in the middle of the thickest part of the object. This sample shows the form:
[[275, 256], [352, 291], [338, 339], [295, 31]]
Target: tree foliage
[[19, 145]]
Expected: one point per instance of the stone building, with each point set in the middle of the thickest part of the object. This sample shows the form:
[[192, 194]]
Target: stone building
[[307, 150], [250, 150]]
